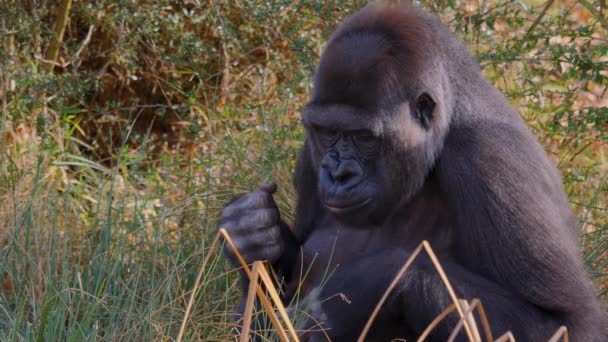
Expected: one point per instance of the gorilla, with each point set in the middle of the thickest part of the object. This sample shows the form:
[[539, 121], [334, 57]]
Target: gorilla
[[406, 141]]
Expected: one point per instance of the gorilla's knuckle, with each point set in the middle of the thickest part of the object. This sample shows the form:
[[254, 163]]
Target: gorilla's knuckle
[[242, 204], [234, 227], [230, 211], [266, 217], [237, 243], [227, 226], [272, 252], [274, 233], [255, 200]]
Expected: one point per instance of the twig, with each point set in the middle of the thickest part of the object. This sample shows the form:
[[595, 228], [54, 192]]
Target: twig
[[58, 31], [266, 280], [86, 41], [540, 16]]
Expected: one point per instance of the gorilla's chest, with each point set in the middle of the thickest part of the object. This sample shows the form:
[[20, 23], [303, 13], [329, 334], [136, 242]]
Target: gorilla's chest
[[331, 244]]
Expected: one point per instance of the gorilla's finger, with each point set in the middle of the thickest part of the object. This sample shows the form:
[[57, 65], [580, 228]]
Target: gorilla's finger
[[273, 234], [252, 232], [256, 199], [258, 248], [252, 220], [262, 218], [271, 253], [261, 237]]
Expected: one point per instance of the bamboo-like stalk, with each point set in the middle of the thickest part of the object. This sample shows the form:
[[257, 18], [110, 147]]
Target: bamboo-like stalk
[[248, 313], [561, 333], [467, 318], [508, 336], [63, 12], [274, 294], [436, 322]]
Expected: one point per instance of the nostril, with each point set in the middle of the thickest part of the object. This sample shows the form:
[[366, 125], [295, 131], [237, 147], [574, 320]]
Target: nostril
[[345, 172], [342, 175]]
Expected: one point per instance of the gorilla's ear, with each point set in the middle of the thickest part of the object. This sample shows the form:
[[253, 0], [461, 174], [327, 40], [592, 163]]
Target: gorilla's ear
[[424, 110]]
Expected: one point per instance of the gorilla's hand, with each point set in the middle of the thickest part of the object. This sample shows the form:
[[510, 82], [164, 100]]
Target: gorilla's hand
[[252, 220]]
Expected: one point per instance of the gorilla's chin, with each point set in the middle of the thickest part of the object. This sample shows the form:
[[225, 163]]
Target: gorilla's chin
[[347, 208], [353, 214]]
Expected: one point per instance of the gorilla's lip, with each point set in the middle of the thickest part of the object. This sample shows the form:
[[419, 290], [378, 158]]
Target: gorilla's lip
[[339, 209]]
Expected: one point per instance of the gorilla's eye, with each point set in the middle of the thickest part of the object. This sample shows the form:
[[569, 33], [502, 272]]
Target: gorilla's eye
[[425, 108], [327, 135], [366, 142], [365, 138]]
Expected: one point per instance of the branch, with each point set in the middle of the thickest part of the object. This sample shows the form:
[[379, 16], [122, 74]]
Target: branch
[[58, 31], [540, 17]]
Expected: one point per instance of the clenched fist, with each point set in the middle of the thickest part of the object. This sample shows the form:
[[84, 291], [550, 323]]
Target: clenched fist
[[253, 222]]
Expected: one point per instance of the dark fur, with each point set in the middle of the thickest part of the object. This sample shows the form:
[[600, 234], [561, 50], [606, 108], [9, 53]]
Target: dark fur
[[476, 185]]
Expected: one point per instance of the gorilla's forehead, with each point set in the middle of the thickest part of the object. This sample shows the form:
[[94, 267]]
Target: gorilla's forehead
[[341, 116], [347, 73], [355, 53], [350, 118]]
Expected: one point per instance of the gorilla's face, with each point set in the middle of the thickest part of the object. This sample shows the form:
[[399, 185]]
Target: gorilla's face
[[370, 161], [373, 127], [347, 171], [350, 159]]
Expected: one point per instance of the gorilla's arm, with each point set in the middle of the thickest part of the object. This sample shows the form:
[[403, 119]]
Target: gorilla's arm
[[514, 228], [423, 297], [419, 298]]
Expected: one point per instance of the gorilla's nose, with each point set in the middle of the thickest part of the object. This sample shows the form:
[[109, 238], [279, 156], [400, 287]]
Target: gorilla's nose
[[342, 173], [345, 172]]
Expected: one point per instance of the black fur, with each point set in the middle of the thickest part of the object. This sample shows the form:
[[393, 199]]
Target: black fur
[[463, 173]]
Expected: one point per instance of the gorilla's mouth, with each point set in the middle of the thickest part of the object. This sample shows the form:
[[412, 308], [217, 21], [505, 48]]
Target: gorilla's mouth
[[340, 208]]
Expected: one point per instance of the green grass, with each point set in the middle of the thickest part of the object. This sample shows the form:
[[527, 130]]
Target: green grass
[[111, 253]]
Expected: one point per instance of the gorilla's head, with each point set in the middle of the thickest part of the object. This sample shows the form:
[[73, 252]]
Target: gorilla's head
[[376, 123]]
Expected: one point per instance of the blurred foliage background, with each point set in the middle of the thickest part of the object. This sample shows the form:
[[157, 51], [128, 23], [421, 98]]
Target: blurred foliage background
[[125, 127]]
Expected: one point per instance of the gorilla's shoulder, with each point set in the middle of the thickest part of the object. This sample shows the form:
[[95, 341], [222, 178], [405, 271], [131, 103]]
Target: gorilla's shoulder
[[498, 139], [501, 155]]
